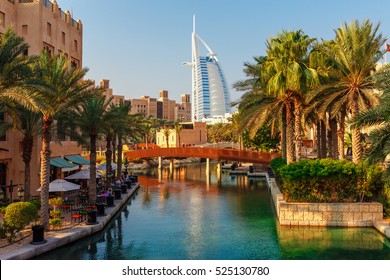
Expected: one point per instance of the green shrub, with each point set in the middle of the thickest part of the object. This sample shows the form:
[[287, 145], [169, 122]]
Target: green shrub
[[277, 163], [36, 202], [55, 202], [328, 180], [20, 214]]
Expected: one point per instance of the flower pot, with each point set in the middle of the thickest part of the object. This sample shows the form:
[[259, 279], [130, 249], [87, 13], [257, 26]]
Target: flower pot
[[38, 235], [91, 217]]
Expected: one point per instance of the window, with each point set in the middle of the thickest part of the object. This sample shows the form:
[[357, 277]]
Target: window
[[49, 29], [2, 19], [63, 38], [24, 30], [75, 63], [75, 45]]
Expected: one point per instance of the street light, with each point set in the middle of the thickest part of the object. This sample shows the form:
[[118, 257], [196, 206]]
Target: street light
[[126, 165], [20, 192]]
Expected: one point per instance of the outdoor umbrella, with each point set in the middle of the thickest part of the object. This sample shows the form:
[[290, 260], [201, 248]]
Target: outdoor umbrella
[[61, 185], [82, 175], [102, 166]]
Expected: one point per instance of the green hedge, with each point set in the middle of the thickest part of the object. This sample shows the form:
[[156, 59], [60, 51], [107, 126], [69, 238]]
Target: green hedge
[[328, 180]]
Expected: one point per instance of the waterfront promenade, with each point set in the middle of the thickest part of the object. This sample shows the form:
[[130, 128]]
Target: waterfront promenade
[[59, 238]]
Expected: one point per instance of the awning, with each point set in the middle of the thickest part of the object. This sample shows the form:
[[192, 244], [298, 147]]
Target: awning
[[77, 159], [63, 164]]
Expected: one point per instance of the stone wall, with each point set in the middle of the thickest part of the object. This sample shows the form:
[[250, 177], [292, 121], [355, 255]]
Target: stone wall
[[324, 214]]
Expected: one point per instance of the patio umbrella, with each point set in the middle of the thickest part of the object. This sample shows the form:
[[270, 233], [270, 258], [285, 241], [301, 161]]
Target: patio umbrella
[[102, 166], [61, 185], [82, 175]]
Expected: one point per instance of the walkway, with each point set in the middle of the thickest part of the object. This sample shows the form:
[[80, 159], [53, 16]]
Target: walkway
[[59, 238]]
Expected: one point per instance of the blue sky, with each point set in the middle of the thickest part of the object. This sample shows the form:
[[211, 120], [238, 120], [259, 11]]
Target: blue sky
[[139, 45]]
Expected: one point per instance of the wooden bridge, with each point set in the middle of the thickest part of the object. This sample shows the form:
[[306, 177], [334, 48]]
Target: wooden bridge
[[208, 153]]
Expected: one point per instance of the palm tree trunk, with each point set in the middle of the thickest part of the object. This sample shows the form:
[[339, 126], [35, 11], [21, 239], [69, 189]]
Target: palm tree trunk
[[323, 139], [108, 160], [289, 134], [119, 170], [333, 132], [318, 138], [329, 141], [92, 170], [341, 134], [114, 147], [45, 171], [28, 143], [283, 134], [357, 148], [298, 129]]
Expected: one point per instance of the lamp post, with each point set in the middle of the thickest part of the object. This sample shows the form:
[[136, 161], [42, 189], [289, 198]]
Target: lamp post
[[126, 165], [20, 192]]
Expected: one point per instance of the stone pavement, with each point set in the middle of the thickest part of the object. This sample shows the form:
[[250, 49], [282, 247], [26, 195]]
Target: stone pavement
[[59, 238]]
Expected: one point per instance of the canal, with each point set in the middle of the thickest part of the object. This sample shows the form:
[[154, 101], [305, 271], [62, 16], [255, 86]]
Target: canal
[[185, 215]]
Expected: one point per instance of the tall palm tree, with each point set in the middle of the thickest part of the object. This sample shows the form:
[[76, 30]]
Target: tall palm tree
[[29, 124], [353, 55], [90, 119], [288, 77], [54, 87]]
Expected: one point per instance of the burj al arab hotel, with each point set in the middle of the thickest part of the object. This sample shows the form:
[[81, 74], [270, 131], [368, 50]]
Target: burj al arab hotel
[[210, 95]]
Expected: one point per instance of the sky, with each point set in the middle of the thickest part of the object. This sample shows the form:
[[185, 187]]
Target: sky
[[139, 45]]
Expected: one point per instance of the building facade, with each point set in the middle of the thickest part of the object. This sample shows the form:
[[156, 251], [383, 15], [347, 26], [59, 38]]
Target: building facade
[[210, 94], [45, 27], [191, 134]]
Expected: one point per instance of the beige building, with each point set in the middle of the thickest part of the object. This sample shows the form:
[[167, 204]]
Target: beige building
[[191, 134], [44, 26], [108, 92], [162, 107]]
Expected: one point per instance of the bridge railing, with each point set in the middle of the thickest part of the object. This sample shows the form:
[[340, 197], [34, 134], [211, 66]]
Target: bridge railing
[[212, 153]]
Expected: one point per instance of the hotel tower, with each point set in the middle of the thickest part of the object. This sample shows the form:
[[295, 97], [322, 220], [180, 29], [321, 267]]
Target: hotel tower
[[210, 96]]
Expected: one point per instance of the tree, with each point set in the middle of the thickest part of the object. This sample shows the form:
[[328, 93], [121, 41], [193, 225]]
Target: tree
[[54, 87], [29, 124], [178, 128], [378, 120], [90, 119], [166, 132], [14, 67], [353, 55], [288, 78]]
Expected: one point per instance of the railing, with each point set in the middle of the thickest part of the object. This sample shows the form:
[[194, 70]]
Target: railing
[[220, 154]]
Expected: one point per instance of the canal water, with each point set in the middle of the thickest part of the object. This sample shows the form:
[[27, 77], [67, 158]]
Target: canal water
[[185, 214]]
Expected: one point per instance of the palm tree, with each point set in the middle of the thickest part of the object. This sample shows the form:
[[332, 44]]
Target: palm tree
[[178, 128], [378, 120], [166, 132], [288, 77], [29, 124], [14, 66], [353, 55], [54, 87], [90, 119]]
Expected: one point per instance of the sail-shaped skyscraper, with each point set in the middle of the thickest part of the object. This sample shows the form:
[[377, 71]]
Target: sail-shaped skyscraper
[[210, 95]]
